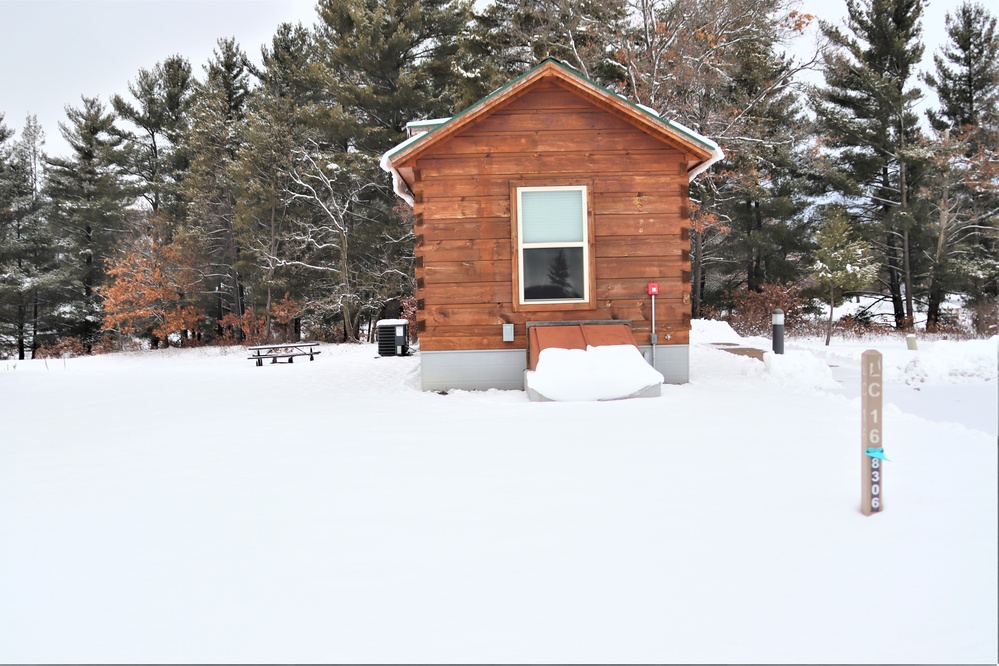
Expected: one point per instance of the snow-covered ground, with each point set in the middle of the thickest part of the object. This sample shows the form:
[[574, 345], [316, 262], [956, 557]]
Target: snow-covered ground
[[188, 506]]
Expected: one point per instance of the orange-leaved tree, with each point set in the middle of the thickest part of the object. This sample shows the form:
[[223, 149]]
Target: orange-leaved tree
[[145, 292]]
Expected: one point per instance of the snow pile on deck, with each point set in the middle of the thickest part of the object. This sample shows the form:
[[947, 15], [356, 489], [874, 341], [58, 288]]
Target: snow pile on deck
[[607, 372]]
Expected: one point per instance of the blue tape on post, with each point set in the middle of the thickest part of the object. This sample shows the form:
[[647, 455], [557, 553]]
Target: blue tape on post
[[878, 453]]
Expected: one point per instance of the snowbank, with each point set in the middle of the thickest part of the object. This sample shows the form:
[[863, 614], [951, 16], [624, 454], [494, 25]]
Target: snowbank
[[948, 362], [801, 369], [707, 331], [607, 372]]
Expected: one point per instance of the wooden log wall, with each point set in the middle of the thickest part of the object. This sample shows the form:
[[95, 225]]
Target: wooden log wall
[[463, 225]]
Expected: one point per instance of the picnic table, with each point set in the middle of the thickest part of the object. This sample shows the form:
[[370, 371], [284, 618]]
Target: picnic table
[[277, 351]]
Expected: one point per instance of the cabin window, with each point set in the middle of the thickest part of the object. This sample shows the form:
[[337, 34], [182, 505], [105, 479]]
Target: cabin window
[[553, 244]]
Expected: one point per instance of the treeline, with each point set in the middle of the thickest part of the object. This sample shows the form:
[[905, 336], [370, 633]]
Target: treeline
[[245, 201]]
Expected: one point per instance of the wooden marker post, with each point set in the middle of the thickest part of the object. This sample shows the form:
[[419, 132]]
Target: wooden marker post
[[871, 423]]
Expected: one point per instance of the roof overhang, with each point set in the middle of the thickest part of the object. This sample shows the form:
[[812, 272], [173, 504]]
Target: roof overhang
[[701, 151]]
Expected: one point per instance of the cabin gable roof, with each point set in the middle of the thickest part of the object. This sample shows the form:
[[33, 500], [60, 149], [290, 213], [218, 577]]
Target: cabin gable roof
[[701, 152]]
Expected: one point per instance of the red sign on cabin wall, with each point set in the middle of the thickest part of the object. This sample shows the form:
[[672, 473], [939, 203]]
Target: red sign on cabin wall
[[652, 289]]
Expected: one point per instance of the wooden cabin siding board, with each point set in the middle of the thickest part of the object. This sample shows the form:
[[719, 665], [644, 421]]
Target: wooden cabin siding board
[[638, 226], [519, 121], [482, 228], [609, 268], [547, 96], [611, 182], [636, 203], [467, 207], [639, 246], [620, 288], [498, 293], [480, 314], [451, 338], [556, 165], [477, 249], [462, 343], [442, 272], [543, 141], [490, 314]]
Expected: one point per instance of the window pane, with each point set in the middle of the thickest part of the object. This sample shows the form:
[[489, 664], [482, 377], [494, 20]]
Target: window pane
[[551, 216], [552, 274]]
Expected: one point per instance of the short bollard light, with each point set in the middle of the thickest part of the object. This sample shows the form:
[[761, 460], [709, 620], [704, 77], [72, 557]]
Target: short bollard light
[[778, 320]]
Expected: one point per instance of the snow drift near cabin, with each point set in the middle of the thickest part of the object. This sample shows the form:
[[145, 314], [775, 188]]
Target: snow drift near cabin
[[607, 372]]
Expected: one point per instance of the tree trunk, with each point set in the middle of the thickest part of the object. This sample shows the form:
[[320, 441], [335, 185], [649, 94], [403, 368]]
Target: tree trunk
[[267, 328], [894, 283], [21, 316], [906, 265], [34, 325], [756, 277], [937, 274], [696, 247], [832, 303], [907, 274]]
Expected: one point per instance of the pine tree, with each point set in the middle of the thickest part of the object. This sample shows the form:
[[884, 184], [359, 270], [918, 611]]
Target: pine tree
[[962, 185], [212, 145], [386, 62], [842, 263], [276, 125], [162, 99], [380, 64], [719, 66], [31, 275], [10, 185], [966, 77], [867, 117], [89, 197], [762, 191], [511, 36]]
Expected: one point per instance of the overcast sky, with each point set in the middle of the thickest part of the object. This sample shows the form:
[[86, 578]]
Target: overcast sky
[[54, 51]]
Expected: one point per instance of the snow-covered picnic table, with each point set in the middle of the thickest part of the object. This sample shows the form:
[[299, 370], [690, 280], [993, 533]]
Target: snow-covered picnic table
[[282, 350]]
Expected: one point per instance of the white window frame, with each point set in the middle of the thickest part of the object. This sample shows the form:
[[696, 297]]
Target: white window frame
[[584, 243]]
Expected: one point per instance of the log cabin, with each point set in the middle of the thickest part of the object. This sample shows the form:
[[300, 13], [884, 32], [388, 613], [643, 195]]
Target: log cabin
[[551, 200]]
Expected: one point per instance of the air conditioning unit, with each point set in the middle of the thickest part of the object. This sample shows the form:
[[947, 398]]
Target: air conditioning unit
[[393, 337]]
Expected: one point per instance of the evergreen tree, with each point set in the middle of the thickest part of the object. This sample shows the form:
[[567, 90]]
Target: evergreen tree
[[719, 66], [761, 189], [966, 77], [212, 145], [962, 185], [89, 198], [378, 64], [30, 278], [866, 113], [386, 62], [162, 98], [9, 189], [842, 262], [511, 36], [277, 124]]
